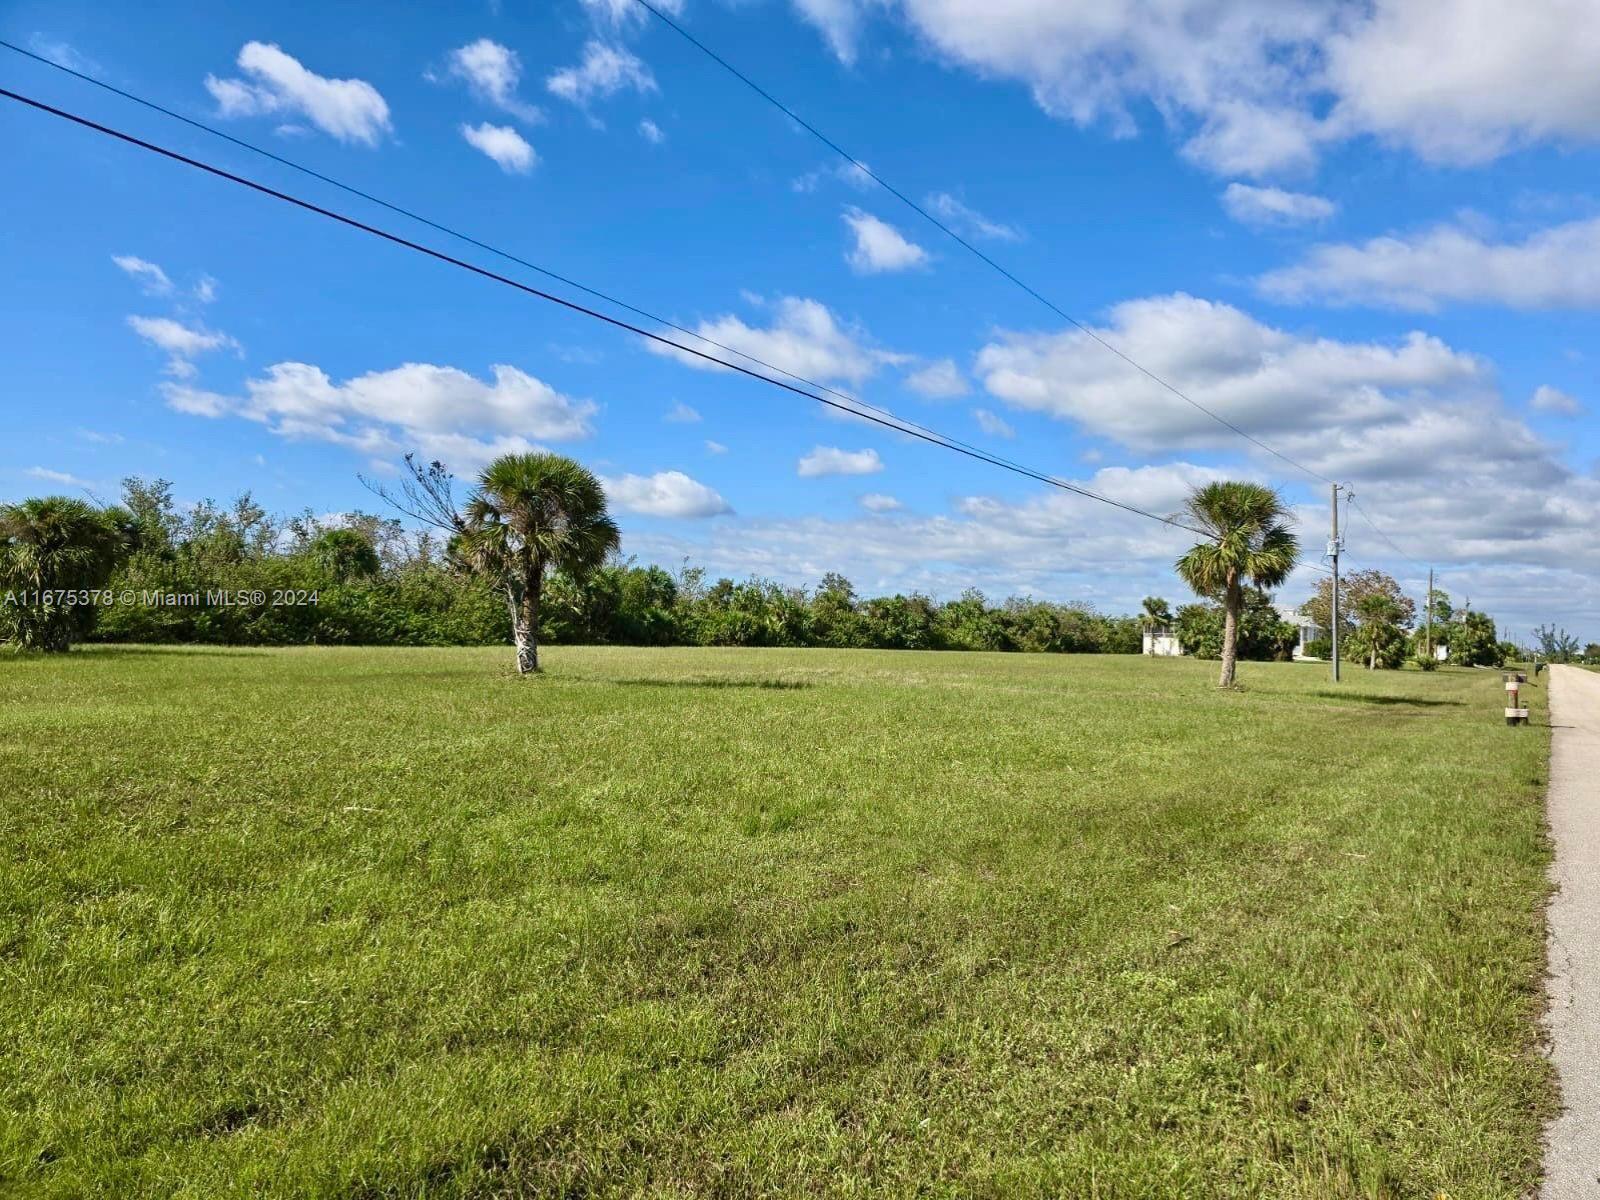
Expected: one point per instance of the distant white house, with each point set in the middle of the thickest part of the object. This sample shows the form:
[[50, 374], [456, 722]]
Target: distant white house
[[1162, 642], [1309, 630]]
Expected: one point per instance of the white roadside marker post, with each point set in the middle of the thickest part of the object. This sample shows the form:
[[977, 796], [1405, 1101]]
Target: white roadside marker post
[[1515, 713]]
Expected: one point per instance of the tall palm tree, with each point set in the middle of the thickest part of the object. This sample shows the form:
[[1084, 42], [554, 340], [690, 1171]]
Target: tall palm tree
[[532, 513], [1248, 537], [51, 550]]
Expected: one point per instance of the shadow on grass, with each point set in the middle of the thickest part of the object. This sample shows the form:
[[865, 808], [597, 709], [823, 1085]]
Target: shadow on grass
[[1402, 701], [121, 649], [783, 685]]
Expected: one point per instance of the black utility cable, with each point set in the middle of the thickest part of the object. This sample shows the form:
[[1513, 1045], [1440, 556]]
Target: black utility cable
[[922, 212], [1353, 503], [481, 245], [888, 423]]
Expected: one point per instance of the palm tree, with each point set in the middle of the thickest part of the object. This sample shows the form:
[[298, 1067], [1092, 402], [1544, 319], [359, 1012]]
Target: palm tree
[[1157, 615], [345, 554], [52, 550], [1248, 537], [1380, 634], [532, 513]]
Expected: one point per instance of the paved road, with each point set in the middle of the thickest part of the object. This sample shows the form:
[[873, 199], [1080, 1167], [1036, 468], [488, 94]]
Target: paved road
[[1572, 1152]]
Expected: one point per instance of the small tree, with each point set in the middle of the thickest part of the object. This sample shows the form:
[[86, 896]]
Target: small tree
[[1354, 588], [48, 547], [1473, 642], [1248, 539], [835, 612], [1380, 637], [155, 522], [530, 514], [900, 622], [1154, 616], [1556, 645]]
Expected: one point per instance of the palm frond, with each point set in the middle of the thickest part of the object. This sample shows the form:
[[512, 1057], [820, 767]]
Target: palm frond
[[550, 513], [1250, 537]]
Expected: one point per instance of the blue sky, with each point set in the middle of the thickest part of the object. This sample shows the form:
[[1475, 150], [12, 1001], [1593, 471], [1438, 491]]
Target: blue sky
[[1368, 235]]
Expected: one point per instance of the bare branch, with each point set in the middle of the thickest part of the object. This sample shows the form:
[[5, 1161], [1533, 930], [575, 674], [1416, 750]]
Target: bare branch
[[426, 495]]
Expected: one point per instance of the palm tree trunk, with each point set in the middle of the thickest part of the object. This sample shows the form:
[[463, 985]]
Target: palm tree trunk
[[1231, 601], [525, 628], [522, 633]]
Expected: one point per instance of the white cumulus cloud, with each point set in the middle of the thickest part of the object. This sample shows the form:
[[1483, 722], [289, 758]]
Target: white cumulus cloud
[[830, 460], [152, 279], [183, 343], [504, 145], [939, 380], [877, 502], [879, 246], [1547, 399], [1258, 86], [805, 338], [605, 70], [1558, 267], [1271, 382], [665, 494], [442, 412], [1463, 81], [839, 22], [1264, 206], [351, 110], [493, 72]]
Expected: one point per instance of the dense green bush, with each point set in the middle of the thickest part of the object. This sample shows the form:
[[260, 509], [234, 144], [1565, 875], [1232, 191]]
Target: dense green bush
[[1379, 645], [1472, 641], [1264, 636]]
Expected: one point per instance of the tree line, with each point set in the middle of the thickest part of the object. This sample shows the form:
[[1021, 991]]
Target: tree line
[[377, 583], [532, 556]]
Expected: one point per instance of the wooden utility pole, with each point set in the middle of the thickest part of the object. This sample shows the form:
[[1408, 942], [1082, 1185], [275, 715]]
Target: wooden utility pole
[[1333, 553]]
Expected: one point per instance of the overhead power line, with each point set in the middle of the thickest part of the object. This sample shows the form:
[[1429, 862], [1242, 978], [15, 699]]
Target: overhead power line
[[944, 228], [888, 421], [411, 214], [1355, 504]]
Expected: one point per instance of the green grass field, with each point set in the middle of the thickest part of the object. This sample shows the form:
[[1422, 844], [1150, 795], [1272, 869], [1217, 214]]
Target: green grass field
[[384, 923]]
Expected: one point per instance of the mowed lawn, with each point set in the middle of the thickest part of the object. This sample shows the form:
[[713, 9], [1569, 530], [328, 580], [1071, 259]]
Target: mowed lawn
[[384, 923]]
